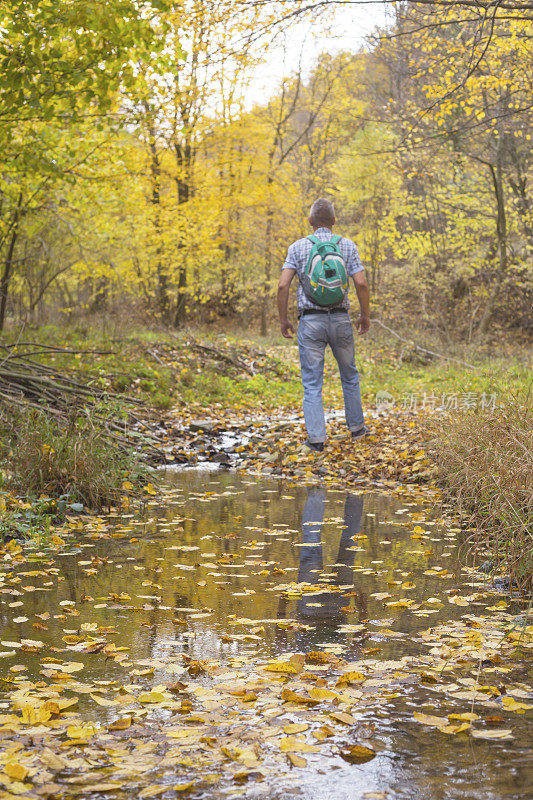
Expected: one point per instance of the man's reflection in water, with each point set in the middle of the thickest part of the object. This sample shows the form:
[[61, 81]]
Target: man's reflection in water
[[327, 606]]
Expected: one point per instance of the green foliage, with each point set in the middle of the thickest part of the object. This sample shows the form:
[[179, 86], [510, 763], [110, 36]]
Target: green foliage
[[129, 366], [25, 520], [61, 56]]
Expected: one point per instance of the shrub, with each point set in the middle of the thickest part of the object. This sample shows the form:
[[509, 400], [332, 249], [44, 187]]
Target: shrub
[[70, 456], [485, 462]]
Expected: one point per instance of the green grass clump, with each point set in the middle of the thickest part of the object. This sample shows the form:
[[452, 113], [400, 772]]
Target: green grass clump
[[485, 462]]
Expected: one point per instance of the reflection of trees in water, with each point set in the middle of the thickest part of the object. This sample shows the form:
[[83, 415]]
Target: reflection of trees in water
[[208, 525]]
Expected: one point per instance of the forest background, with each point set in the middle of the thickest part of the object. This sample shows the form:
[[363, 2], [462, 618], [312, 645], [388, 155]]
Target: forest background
[[140, 175]]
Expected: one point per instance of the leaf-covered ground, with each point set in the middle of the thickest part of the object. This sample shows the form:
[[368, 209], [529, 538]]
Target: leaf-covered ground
[[393, 453]]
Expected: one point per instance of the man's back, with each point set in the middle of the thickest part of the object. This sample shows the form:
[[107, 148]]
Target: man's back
[[298, 257]]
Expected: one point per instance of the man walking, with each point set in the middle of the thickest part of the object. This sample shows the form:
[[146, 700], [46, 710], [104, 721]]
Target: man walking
[[324, 263]]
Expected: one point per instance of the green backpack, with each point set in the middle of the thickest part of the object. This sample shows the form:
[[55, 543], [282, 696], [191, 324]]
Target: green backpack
[[325, 280]]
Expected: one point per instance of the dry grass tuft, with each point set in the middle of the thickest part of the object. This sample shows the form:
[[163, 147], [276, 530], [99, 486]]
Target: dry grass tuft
[[485, 462], [71, 457]]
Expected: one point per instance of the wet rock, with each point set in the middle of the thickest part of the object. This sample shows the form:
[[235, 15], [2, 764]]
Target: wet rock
[[202, 425], [222, 458], [271, 458], [178, 458], [502, 584]]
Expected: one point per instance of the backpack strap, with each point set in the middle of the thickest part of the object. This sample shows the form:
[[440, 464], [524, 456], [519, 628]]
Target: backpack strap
[[315, 240]]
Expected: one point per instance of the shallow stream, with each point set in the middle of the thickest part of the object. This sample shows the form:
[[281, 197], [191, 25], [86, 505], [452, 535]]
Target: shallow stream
[[215, 574]]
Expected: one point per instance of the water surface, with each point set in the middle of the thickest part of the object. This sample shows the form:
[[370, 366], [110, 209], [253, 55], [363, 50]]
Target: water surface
[[216, 573]]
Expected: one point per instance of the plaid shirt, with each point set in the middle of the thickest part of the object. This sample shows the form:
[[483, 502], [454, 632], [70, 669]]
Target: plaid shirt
[[298, 256]]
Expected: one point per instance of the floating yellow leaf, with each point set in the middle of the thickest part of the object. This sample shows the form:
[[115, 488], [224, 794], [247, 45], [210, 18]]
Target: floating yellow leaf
[[80, 731], [32, 643], [512, 705], [281, 667], [400, 604], [342, 716], [495, 733], [64, 703], [453, 729], [103, 701], [295, 728], [457, 600], [317, 693], [291, 744], [429, 719], [32, 715], [151, 697], [350, 677], [153, 791], [16, 771], [69, 666], [319, 657], [72, 639], [288, 696], [52, 761], [357, 753], [296, 760], [120, 724]]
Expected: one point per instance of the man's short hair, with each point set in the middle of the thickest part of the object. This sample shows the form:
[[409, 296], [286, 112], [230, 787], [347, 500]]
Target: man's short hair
[[322, 213]]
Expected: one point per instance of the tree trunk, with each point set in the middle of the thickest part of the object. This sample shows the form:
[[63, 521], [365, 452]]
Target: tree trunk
[[501, 234], [184, 155], [99, 291], [268, 265], [265, 300], [162, 277], [8, 264], [179, 316]]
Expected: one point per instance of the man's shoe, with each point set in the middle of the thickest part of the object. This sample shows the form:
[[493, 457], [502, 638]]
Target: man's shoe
[[319, 446], [364, 431]]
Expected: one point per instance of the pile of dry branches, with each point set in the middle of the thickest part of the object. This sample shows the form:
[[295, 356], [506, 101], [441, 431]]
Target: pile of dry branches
[[25, 383]]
